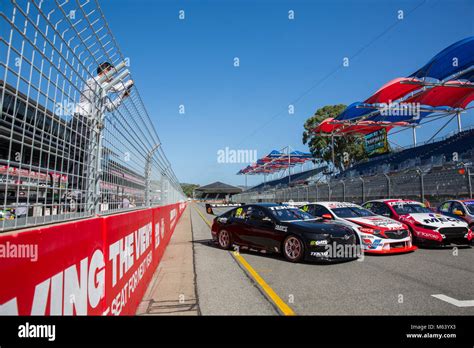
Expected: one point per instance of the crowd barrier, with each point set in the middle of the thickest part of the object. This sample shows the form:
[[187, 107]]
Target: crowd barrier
[[96, 266]]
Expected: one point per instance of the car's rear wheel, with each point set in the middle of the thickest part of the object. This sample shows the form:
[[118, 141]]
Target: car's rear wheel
[[293, 249], [224, 239]]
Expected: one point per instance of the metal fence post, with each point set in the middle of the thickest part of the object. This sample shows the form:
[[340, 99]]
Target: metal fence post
[[94, 152], [363, 188], [343, 190], [422, 184], [329, 191], [388, 185], [469, 186], [149, 159]]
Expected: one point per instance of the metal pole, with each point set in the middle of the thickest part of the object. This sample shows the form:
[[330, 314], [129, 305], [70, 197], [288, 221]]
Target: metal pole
[[388, 185], [149, 159], [363, 188], [414, 135], [343, 190], [458, 114], [332, 152], [469, 186], [422, 188], [94, 155], [289, 165]]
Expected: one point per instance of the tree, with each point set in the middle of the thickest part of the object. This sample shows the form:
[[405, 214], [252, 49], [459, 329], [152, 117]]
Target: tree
[[188, 189], [348, 149]]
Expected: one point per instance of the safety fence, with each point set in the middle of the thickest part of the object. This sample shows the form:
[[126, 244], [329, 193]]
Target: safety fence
[[75, 137], [434, 186], [96, 266]]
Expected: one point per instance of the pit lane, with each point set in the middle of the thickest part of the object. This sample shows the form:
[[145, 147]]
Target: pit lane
[[378, 285]]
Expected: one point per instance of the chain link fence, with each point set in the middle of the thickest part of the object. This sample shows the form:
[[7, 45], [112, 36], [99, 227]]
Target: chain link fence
[[75, 137], [434, 186]]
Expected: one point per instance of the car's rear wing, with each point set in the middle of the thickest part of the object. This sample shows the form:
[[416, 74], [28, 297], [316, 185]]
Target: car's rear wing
[[209, 206]]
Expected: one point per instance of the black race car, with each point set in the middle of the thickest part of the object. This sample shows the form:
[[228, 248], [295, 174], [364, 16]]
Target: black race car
[[271, 227]]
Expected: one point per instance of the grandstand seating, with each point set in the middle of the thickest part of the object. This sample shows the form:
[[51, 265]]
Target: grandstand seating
[[296, 178], [430, 154], [434, 154]]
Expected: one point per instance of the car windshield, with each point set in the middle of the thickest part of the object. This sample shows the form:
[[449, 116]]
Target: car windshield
[[410, 208], [470, 208], [352, 212], [288, 214]]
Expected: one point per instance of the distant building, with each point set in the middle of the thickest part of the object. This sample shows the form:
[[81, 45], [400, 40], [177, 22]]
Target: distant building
[[216, 190]]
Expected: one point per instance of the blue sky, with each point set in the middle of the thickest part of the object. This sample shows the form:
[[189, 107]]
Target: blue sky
[[190, 62]]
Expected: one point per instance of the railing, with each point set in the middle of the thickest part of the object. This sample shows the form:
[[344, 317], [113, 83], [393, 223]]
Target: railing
[[434, 186], [75, 140]]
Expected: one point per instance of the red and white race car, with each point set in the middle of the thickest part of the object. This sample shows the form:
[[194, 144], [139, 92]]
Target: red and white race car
[[377, 234], [427, 226]]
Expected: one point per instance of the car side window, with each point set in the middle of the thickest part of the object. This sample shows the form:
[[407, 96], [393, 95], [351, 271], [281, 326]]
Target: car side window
[[241, 212], [258, 215], [381, 209], [457, 206], [445, 207], [308, 209], [319, 210], [369, 206], [375, 208]]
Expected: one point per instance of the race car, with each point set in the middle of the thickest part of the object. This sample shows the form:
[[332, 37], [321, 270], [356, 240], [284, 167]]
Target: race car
[[377, 234], [428, 227], [461, 209], [271, 227]]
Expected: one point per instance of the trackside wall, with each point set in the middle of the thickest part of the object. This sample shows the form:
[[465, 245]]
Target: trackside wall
[[98, 266]]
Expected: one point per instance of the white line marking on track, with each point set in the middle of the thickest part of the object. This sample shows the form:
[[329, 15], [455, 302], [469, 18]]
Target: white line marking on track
[[453, 301]]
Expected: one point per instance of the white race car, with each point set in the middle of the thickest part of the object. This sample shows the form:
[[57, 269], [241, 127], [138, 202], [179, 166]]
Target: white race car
[[377, 234]]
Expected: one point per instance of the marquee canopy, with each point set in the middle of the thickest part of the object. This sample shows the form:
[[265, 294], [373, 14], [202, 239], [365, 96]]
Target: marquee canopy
[[276, 161], [443, 85], [454, 62]]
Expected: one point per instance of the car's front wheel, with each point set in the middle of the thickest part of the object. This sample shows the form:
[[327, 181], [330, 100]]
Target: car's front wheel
[[293, 249], [224, 239]]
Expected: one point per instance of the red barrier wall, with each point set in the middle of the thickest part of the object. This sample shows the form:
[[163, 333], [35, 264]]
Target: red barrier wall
[[98, 266]]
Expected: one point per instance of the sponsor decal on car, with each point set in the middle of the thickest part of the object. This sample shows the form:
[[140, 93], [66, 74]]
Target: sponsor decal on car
[[341, 205], [426, 235], [371, 245], [339, 251], [434, 218], [280, 207], [281, 228], [404, 202], [318, 242]]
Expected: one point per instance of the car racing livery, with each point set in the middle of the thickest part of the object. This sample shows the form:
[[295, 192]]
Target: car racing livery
[[271, 227], [377, 234], [462, 209], [427, 226]]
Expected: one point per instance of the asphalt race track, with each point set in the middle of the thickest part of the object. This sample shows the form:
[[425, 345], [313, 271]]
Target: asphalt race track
[[378, 285]]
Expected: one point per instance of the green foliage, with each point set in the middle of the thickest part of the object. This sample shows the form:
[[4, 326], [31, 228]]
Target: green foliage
[[188, 189], [348, 149]]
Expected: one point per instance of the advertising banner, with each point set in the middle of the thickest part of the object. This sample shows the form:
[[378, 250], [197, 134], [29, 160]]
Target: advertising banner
[[376, 143], [97, 266]]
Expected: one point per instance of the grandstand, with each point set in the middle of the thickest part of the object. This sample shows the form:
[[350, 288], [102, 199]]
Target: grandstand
[[429, 171], [293, 180], [431, 154]]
